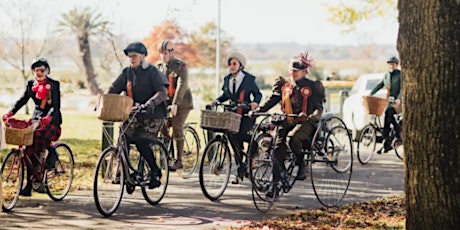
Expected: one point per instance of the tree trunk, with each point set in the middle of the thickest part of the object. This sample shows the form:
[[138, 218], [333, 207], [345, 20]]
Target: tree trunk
[[429, 47], [83, 42]]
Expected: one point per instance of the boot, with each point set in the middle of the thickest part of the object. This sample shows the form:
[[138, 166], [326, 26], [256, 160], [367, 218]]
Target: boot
[[52, 158], [27, 190], [302, 172], [180, 149]]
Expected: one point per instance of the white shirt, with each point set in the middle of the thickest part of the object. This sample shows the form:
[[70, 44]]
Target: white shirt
[[239, 78]]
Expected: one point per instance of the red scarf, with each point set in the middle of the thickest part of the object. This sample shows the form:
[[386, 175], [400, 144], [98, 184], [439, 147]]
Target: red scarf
[[41, 89]]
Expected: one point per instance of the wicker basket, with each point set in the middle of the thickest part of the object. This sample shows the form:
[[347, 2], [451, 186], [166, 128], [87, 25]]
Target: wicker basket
[[374, 105], [19, 136], [220, 121], [113, 107]]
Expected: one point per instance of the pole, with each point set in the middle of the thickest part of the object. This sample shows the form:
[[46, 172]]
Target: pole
[[218, 51]]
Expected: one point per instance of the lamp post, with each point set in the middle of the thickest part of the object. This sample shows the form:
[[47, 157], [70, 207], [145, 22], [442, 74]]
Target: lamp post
[[218, 50]]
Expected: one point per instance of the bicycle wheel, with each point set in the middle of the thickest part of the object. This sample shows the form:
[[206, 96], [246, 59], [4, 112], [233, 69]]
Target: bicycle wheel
[[59, 180], [367, 144], [215, 169], [330, 177], [154, 196], [261, 172], [190, 154], [108, 182], [398, 148], [12, 176], [339, 149]]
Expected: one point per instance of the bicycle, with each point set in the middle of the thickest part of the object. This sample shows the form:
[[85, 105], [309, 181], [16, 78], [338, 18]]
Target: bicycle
[[192, 148], [115, 171], [328, 153], [370, 139], [216, 162], [57, 181]]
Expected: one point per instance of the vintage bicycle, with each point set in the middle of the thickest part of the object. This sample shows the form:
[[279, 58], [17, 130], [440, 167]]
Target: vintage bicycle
[[216, 162], [328, 153], [371, 141], [57, 180], [121, 166]]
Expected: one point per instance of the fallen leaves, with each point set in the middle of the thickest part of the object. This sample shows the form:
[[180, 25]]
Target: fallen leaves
[[382, 213]]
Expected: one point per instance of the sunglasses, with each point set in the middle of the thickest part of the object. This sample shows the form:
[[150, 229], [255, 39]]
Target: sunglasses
[[40, 70], [233, 63]]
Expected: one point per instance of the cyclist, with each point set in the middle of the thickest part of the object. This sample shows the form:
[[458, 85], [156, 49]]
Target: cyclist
[[147, 87], [45, 93], [238, 87], [392, 81], [300, 96], [180, 97]]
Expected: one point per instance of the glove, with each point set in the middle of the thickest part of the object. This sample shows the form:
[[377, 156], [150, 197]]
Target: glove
[[250, 113], [7, 115], [149, 107], [46, 120], [173, 109], [315, 116]]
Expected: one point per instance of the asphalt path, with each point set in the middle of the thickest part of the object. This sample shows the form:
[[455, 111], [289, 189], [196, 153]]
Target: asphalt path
[[185, 207]]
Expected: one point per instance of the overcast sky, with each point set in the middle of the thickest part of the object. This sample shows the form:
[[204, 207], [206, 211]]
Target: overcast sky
[[246, 21]]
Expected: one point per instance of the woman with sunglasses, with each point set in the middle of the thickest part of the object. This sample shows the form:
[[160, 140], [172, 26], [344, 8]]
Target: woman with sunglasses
[[240, 88], [46, 96]]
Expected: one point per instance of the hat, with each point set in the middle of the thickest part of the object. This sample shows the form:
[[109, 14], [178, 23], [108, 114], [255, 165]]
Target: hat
[[301, 61], [39, 61], [136, 47], [238, 56], [393, 60]]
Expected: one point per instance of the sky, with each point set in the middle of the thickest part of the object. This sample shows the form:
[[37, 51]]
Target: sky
[[246, 21]]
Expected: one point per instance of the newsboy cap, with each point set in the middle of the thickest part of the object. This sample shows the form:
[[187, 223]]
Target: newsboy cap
[[136, 47]]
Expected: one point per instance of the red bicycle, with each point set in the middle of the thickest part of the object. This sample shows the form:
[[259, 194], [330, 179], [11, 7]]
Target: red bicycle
[[57, 180]]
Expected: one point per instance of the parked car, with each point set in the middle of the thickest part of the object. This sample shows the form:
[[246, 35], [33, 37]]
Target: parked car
[[353, 113]]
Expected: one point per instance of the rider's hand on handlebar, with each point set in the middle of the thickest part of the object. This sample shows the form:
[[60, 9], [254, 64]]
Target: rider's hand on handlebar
[[46, 120], [253, 105], [7, 115]]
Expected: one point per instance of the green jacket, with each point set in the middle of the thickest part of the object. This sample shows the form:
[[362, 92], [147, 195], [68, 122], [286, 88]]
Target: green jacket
[[177, 73], [393, 80]]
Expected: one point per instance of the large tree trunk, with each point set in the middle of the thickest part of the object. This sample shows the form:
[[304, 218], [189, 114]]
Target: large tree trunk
[[83, 42], [429, 47]]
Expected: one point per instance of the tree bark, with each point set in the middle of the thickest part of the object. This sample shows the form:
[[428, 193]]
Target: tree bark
[[429, 47], [83, 42]]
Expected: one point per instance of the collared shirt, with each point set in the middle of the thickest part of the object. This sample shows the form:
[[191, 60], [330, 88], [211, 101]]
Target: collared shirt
[[239, 79]]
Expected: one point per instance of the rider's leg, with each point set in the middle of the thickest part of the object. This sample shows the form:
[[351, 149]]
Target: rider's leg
[[389, 112], [300, 134], [143, 145], [178, 134]]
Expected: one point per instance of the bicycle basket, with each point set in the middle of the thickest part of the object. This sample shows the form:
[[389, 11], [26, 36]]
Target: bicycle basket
[[374, 105], [19, 132], [220, 121], [113, 107]]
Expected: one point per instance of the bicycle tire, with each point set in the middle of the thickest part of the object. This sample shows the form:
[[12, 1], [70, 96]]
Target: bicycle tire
[[154, 196], [399, 150], [215, 169], [339, 148], [191, 153], [367, 144], [329, 184], [12, 176], [58, 180], [107, 193]]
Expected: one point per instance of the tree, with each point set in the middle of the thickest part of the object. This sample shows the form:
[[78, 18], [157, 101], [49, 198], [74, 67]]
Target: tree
[[429, 48], [352, 12], [17, 47], [85, 23]]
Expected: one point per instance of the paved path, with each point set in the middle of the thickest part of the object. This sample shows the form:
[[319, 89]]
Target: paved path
[[185, 207]]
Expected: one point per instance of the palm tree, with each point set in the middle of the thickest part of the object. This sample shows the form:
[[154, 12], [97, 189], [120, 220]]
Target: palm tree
[[85, 23]]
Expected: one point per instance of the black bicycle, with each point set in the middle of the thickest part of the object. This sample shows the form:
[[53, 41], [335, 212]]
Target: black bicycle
[[122, 166], [328, 153], [371, 141], [216, 162]]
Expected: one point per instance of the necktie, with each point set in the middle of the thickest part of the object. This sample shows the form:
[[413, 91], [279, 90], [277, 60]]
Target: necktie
[[234, 85]]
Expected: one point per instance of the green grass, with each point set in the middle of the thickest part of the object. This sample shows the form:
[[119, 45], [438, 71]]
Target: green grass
[[83, 133]]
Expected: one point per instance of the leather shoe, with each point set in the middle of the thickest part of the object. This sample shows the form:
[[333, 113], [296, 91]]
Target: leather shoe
[[302, 172], [155, 180], [177, 165], [27, 191]]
